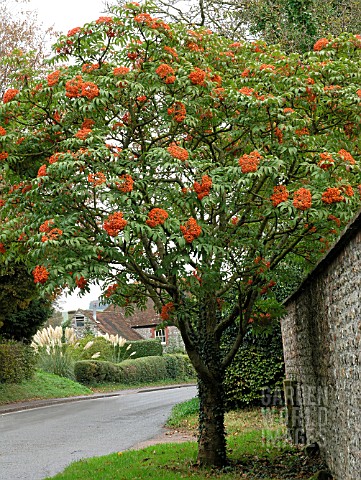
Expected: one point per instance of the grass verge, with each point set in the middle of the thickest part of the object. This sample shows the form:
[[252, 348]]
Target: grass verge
[[46, 385], [42, 385], [257, 450]]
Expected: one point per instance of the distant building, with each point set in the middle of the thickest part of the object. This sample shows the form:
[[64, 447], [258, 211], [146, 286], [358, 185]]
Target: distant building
[[111, 319]]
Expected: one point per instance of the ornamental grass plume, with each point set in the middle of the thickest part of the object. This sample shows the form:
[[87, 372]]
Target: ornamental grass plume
[[119, 352], [51, 345]]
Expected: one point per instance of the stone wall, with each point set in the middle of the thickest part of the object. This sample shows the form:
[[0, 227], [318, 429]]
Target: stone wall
[[322, 348]]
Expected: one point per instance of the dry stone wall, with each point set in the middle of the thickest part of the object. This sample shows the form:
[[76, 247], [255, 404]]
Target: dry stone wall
[[322, 349]]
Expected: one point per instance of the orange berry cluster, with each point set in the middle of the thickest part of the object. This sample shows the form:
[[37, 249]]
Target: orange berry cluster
[[326, 161], [197, 76], [10, 94], [302, 199], [332, 195], [76, 87], [157, 216], [280, 194], [97, 178], [40, 274], [178, 111], [166, 310], [346, 156], [191, 230], [127, 184], [114, 224], [249, 162], [178, 152], [203, 189], [53, 78]]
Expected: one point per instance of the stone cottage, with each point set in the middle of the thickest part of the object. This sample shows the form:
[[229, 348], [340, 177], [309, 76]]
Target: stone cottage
[[143, 324], [322, 349]]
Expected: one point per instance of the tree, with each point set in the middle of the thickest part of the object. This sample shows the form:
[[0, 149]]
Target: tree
[[24, 324], [173, 164], [17, 291], [22, 310], [22, 43], [293, 24], [19, 32]]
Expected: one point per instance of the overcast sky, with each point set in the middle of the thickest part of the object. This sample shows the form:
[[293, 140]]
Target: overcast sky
[[66, 14]]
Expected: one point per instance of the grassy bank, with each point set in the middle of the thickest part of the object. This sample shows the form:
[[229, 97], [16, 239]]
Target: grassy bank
[[257, 450], [46, 385], [42, 385]]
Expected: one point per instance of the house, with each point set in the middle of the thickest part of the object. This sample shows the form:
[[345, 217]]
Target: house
[[143, 324], [322, 349]]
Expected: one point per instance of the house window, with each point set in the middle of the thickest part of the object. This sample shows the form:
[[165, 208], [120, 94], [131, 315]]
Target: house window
[[79, 320], [160, 333]]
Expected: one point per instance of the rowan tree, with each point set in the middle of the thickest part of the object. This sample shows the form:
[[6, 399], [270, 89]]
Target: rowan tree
[[174, 164]]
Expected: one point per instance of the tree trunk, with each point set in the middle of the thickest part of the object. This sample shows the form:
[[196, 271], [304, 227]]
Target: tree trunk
[[211, 441]]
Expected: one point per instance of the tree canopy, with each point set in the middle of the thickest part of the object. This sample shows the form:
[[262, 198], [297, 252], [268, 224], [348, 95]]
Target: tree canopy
[[293, 24], [175, 164]]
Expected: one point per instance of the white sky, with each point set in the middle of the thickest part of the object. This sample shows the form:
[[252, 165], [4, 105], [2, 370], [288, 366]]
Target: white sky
[[65, 15]]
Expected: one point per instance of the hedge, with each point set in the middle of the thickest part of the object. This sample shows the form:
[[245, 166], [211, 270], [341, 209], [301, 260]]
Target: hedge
[[136, 349], [134, 371], [143, 348], [17, 362], [256, 374]]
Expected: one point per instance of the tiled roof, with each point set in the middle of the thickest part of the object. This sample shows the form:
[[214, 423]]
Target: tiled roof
[[112, 321], [144, 318]]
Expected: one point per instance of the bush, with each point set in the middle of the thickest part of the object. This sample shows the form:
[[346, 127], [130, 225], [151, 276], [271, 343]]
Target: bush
[[257, 368], [99, 345], [17, 362], [140, 370], [91, 372], [179, 366], [107, 351], [143, 348]]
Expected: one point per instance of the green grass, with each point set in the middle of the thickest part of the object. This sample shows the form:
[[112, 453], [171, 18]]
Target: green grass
[[182, 414], [47, 385], [42, 385], [257, 450]]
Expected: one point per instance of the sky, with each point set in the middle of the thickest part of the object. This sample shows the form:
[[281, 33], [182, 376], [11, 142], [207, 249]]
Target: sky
[[65, 15]]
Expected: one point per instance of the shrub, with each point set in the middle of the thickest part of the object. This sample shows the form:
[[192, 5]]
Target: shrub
[[140, 370], [257, 367], [144, 348], [179, 367], [149, 369], [17, 362], [90, 372], [90, 346], [113, 348]]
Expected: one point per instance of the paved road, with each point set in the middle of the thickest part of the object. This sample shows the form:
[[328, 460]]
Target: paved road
[[40, 442]]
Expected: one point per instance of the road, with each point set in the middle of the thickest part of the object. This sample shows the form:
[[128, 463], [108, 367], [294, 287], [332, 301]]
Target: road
[[40, 442]]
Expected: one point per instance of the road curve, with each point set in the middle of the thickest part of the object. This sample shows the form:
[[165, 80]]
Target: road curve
[[41, 442]]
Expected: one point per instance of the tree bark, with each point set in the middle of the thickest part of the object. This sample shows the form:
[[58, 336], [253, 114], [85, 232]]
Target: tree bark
[[212, 441]]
